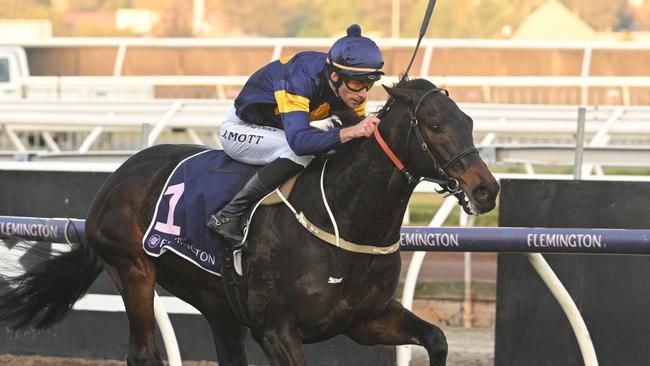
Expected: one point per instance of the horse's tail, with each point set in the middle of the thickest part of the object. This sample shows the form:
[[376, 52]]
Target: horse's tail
[[44, 294]]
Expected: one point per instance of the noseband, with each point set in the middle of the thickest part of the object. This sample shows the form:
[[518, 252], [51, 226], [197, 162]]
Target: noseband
[[448, 184]]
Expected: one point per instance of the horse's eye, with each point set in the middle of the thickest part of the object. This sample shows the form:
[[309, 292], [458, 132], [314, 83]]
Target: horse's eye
[[432, 123], [434, 126]]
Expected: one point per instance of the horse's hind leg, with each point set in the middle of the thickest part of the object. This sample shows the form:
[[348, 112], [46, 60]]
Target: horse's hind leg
[[397, 326], [282, 345], [135, 281]]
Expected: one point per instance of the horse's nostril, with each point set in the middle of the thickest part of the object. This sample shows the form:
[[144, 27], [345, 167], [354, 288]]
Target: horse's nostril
[[482, 194]]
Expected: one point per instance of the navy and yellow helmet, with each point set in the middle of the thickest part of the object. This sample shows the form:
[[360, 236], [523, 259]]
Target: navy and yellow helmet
[[356, 56]]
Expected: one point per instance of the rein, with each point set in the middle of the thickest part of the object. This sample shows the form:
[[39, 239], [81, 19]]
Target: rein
[[448, 184]]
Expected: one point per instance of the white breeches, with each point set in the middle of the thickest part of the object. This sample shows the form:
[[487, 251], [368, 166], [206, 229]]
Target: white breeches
[[256, 145]]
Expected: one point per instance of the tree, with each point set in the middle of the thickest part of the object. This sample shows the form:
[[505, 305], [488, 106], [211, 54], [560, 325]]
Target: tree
[[87, 5], [326, 18], [27, 9], [301, 18], [256, 18], [641, 17], [466, 18], [175, 20], [330, 18], [602, 15]]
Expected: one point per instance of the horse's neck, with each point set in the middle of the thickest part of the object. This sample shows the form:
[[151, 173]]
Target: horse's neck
[[370, 194]]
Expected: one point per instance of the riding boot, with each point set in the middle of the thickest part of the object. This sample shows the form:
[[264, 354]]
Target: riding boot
[[227, 221]]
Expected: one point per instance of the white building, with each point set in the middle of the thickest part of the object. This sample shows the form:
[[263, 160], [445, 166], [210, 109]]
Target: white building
[[24, 29]]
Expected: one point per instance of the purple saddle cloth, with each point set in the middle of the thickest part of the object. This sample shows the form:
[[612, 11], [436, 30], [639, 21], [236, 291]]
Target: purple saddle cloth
[[199, 186]]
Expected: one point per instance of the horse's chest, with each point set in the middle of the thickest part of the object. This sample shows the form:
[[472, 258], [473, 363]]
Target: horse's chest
[[372, 283], [322, 288], [334, 297]]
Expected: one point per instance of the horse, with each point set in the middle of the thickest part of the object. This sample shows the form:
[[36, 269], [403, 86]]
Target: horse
[[289, 299]]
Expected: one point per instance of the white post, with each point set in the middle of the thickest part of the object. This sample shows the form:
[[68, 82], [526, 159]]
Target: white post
[[119, 59], [569, 307], [167, 332], [601, 138], [404, 352], [584, 73], [394, 26], [580, 137], [468, 307], [160, 125], [198, 11]]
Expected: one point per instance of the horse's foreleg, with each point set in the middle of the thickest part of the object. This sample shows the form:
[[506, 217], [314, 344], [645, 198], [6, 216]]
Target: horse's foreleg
[[136, 283], [229, 340], [282, 345], [398, 326]]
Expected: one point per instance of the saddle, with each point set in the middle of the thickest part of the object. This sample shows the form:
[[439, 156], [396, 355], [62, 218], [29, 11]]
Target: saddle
[[285, 189]]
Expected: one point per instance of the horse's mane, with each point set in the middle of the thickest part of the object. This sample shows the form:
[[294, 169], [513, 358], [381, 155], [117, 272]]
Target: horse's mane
[[350, 147], [417, 84], [342, 151]]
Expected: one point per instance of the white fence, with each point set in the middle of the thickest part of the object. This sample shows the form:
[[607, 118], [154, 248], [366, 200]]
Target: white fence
[[507, 134], [584, 81], [492, 89]]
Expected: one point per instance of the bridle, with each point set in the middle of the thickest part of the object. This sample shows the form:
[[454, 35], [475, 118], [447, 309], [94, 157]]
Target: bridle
[[447, 183]]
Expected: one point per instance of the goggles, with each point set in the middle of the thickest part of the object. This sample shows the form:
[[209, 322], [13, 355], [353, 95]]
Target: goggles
[[357, 85]]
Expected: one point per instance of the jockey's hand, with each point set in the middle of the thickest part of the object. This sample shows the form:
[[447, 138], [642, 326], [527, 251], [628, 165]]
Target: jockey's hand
[[365, 128]]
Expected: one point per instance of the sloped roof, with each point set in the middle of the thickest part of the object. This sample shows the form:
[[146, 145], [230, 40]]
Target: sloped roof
[[552, 20]]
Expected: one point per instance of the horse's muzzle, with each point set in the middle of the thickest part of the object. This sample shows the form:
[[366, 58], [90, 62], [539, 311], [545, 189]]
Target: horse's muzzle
[[484, 196]]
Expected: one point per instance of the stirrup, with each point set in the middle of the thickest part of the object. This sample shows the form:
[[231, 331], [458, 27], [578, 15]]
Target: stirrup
[[219, 224], [215, 222]]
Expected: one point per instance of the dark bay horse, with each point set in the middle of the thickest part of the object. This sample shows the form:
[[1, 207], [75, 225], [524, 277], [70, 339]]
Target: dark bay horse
[[289, 297]]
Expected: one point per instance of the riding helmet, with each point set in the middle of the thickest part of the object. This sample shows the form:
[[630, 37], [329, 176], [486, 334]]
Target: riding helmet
[[356, 56]]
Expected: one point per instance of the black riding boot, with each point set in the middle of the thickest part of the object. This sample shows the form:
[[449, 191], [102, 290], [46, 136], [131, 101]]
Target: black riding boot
[[226, 222]]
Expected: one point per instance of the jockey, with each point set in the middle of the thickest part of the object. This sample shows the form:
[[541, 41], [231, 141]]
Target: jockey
[[270, 122]]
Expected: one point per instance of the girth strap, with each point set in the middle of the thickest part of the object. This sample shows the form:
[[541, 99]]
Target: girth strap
[[236, 291], [343, 244]]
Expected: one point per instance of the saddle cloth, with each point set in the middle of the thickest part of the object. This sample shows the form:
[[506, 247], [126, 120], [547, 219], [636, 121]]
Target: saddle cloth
[[199, 186]]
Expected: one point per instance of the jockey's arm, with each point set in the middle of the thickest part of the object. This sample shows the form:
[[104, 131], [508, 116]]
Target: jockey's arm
[[305, 139], [291, 95], [365, 128]]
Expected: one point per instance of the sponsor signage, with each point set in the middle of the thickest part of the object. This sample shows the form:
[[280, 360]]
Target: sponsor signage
[[450, 239], [55, 230], [510, 239]]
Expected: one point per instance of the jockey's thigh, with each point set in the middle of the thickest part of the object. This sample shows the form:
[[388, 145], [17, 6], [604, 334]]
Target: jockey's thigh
[[256, 145]]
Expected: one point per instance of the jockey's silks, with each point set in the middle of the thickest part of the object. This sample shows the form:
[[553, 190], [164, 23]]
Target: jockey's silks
[[289, 93]]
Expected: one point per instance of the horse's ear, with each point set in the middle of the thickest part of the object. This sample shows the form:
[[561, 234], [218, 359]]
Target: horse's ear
[[403, 94]]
